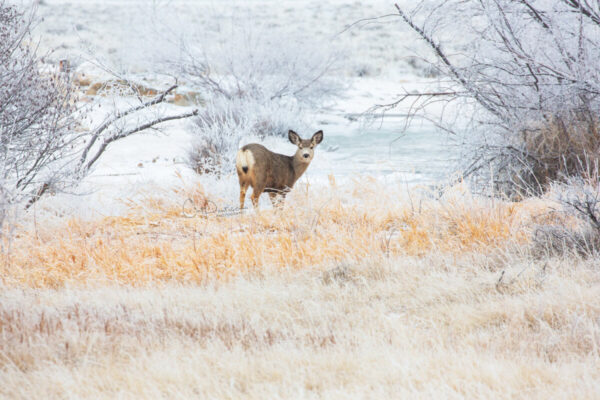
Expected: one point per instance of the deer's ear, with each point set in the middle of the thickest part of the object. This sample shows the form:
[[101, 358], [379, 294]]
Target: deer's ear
[[294, 138], [317, 137]]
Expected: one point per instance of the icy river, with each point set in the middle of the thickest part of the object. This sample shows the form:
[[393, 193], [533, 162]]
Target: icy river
[[421, 154]]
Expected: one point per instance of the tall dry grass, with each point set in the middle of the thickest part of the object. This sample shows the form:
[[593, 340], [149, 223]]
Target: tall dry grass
[[361, 291], [156, 241], [554, 150], [417, 327]]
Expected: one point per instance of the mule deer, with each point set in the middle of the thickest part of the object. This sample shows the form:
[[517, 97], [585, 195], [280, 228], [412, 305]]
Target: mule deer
[[271, 172]]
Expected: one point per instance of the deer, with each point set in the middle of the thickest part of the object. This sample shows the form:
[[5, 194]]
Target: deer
[[271, 172]]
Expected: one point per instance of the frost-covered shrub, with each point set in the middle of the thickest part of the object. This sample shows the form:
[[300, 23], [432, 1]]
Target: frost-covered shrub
[[221, 125], [257, 81], [579, 201], [559, 148], [36, 115], [528, 73], [266, 64]]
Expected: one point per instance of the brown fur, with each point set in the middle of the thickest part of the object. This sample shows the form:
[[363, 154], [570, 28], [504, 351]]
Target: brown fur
[[271, 172]]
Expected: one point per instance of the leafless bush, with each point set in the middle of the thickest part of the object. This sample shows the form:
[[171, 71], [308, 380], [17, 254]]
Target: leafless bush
[[260, 64], [559, 148], [527, 75], [44, 145], [579, 200], [222, 124], [256, 82], [552, 240], [37, 115]]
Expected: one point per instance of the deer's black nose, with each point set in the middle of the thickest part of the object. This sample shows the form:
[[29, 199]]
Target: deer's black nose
[[306, 156]]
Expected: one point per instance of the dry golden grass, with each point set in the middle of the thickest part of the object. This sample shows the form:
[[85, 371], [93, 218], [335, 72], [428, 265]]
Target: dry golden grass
[[355, 292], [155, 241], [413, 327], [563, 146]]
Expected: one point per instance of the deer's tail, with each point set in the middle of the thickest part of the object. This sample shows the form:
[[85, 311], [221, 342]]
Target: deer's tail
[[244, 161]]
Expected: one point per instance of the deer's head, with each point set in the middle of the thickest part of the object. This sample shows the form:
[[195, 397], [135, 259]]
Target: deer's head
[[306, 147]]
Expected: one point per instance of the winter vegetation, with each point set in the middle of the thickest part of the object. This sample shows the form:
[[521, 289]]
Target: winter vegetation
[[36, 114], [45, 147], [257, 82], [527, 78], [128, 270]]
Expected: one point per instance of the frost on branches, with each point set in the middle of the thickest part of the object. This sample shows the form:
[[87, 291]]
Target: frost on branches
[[257, 82], [528, 75], [36, 115], [44, 146]]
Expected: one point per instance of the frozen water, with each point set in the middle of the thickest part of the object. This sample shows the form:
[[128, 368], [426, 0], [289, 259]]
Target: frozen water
[[418, 155]]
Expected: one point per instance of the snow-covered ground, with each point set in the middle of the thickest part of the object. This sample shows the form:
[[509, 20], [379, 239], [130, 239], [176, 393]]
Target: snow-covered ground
[[379, 65], [123, 32]]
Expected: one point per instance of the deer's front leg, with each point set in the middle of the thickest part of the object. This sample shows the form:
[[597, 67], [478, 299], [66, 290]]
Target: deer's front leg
[[275, 199]]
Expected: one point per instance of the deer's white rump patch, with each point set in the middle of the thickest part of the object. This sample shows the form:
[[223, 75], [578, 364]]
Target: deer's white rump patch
[[244, 158]]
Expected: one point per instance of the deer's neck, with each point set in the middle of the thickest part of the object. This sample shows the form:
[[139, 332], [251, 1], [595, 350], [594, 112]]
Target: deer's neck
[[299, 168]]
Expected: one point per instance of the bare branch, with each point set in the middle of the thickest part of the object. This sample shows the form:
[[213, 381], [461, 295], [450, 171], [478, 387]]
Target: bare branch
[[453, 70], [530, 73], [130, 132], [587, 11], [95, 134]]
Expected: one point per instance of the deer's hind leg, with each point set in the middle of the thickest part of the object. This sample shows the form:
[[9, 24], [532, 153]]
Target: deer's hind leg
[[245, 181], [243, 188]]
